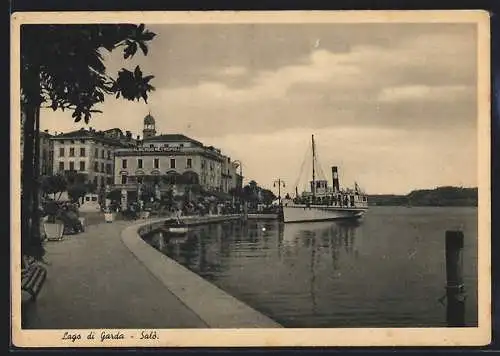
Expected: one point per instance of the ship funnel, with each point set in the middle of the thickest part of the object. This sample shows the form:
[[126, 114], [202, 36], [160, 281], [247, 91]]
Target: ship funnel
[[335, 179]]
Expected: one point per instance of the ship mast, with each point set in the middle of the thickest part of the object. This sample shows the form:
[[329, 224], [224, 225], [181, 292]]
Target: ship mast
[[313, 172]]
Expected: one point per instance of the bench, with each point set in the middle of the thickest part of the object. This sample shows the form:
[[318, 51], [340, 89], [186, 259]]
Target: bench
[[32, 279]]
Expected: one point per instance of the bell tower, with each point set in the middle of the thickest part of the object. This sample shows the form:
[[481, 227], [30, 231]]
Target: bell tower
[[149, 127]]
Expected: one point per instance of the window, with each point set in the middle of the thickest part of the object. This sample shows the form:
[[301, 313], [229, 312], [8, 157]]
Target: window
[[157, 163], [72, 152], [102, 167], [108, 168], [61, 152], [109, 180], [71, 166], [181, 145], [152, 146], [61, 166], [124, 179], [82, 165], [109, 154], [96, 166], [96, 152], [124, 163], [82, 151], [102, 181], [139, 179], [82, 141], [87, 198], [139, 163], [95, 181], [172, 163], [94, 198], [72, 142], [102, 154]]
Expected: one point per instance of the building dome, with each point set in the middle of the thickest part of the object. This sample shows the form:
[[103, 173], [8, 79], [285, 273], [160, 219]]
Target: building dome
[[149, 120]]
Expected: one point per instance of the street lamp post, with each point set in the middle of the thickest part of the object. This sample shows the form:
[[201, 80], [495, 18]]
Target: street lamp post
[[240, 186], [280, 182], [240, 165]]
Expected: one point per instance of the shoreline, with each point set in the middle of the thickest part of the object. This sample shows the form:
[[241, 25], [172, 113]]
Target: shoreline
[[215, 307]]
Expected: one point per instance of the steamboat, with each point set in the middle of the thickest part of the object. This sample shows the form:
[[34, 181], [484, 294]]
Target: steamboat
[[323, 202]]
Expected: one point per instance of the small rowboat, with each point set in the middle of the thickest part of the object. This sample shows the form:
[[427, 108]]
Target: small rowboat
[[178, 229]]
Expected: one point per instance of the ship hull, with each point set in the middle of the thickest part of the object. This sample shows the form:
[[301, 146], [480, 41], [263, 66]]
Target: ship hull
[[303, 213]]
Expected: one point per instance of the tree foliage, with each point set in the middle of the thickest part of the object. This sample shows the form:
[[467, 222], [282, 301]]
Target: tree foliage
[[114, 195], [267, 196], [148, 191], [53, 184], [77, 191], [62, 67], [255, 194], [440, 196], [67, 61], [74, 177]]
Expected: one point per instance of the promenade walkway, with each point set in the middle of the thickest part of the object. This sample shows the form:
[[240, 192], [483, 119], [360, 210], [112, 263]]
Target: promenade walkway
[[94, 281]]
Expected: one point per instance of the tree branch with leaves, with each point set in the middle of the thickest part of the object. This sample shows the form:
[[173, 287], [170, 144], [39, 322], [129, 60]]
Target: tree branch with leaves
[[62, 68]]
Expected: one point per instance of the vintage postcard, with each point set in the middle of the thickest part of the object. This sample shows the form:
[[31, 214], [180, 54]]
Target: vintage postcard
[[287, 178]]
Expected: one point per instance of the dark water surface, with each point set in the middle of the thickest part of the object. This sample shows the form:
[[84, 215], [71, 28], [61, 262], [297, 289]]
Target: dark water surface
[[386, 271]]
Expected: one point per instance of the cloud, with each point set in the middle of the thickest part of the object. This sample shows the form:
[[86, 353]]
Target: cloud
[[384, 101], [426, 60], [321, 67], [187, 54], [382, 160], [233, 71], [424, 92], [409, 86]]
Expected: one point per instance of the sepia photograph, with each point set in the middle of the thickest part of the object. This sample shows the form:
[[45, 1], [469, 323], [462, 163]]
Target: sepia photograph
[[287, 178]]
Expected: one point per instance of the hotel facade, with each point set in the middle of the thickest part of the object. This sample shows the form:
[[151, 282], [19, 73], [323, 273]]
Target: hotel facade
[[89, 152], [170, 160]]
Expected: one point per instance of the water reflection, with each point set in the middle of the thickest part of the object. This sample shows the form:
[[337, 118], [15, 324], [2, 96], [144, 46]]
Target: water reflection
[[207, 248], [297, 251], [331, 236], [323, 274]]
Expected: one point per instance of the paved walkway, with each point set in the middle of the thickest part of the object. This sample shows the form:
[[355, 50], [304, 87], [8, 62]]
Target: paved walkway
[[94, 281]]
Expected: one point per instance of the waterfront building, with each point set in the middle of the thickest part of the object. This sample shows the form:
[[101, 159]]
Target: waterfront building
[[117, 134], [173, 161], [89, 152]]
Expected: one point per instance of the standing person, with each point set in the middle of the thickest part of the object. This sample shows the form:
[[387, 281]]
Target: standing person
[[132, 211], [178, 216]]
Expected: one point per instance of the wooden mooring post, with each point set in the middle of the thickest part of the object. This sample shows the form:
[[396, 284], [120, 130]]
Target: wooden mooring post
[[455, 291]]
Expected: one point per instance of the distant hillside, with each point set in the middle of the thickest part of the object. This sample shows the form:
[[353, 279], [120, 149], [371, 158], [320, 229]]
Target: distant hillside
[[441, 196]]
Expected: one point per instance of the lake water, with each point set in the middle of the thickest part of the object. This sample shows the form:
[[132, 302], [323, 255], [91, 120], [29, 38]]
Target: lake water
[[388, 270]]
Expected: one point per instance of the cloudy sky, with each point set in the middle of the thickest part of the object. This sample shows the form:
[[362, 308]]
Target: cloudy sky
[[393, 105]]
